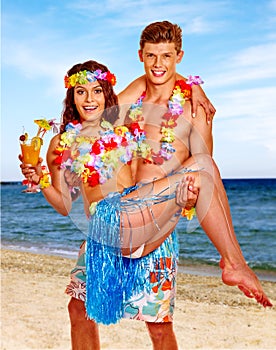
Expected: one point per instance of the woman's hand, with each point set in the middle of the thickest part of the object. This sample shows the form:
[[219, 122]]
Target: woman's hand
[[32, 173]]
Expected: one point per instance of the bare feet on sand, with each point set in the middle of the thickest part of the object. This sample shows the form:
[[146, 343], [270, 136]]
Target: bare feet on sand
[[246, 280]]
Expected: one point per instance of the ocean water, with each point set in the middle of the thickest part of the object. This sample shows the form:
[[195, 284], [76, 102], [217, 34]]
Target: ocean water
[[29, 223]]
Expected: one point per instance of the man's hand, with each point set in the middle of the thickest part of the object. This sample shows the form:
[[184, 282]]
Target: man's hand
[[200, 99], [72, 179], [186, 193]]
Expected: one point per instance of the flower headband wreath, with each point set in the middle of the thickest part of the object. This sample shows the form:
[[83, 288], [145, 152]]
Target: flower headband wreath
[[86, 76]]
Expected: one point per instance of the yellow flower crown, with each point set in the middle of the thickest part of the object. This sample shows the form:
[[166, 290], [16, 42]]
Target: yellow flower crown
[[85, 76]]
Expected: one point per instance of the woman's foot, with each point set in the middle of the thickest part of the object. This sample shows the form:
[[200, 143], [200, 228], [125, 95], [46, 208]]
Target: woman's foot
[[246, 280]]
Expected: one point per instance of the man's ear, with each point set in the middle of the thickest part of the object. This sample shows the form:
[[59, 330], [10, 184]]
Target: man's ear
[[140, 54], [180, 56]]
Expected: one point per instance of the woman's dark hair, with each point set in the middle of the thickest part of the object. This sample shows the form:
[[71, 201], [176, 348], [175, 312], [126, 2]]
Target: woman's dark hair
[[70, 113]]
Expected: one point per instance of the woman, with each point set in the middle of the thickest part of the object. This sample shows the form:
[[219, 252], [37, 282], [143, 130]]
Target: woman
[[87, 104], [148, 213]]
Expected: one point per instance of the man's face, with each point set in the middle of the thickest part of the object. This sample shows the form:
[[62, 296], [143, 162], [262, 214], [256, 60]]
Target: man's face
[[160, 61]]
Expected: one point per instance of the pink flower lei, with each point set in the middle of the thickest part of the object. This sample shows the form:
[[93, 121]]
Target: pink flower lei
[[180, 93]]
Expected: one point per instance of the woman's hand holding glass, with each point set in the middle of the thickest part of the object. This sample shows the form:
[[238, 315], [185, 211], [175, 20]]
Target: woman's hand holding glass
[[30, 148], [32, 174]]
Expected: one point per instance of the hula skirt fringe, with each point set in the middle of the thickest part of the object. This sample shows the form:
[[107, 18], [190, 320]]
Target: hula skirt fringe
[[111, 278]]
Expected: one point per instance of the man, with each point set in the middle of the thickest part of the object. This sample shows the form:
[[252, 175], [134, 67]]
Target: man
[[160, 51]]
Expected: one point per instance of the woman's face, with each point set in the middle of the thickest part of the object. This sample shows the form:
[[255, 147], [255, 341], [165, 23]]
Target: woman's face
[[90, 102]]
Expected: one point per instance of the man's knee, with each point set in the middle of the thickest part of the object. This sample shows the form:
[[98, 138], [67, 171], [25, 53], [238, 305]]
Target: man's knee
[[76, 309], [158, 331]]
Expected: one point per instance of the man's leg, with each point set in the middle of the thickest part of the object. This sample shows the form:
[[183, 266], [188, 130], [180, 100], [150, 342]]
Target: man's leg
[[162, 336], [84, 332], [155, 305]]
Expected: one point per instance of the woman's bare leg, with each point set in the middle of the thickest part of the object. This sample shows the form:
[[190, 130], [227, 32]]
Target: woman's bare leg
[[214, 215], [149, 213]]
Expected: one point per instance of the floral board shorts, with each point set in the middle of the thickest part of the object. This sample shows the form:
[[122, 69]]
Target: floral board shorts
[[154, 305]]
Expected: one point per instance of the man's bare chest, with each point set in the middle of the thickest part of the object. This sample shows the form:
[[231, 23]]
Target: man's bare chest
[[155, 125]]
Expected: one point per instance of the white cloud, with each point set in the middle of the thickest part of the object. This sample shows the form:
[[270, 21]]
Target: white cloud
[[246, 117], [272, 5], [42, 41], [253, 63], [255, 102], [195, 17]]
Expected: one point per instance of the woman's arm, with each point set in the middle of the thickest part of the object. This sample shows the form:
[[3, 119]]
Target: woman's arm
[[58, 194]]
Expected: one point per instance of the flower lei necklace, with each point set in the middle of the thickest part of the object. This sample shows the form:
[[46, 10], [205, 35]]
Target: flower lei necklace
[[180, 93], [95, 158]]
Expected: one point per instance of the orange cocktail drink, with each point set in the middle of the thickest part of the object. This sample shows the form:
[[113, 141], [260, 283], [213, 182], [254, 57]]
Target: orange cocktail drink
[[31, 150]]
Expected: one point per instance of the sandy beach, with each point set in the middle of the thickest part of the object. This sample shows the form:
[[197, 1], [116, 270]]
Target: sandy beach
[[208, 314]]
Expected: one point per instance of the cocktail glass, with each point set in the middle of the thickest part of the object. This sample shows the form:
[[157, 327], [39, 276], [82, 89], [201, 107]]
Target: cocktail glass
[[31, 148], [30, 155]]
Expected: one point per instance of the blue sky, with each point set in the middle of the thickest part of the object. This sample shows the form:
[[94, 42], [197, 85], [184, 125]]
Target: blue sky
[[231, 44]]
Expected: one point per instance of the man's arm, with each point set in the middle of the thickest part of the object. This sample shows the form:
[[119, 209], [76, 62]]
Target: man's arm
[[201, 141], [130, 95], [199, 98], [134, 90], [201, 137]]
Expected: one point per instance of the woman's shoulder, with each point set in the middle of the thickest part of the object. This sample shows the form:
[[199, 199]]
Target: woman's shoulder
[[133, 91], [55, 139], [54, 142]]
